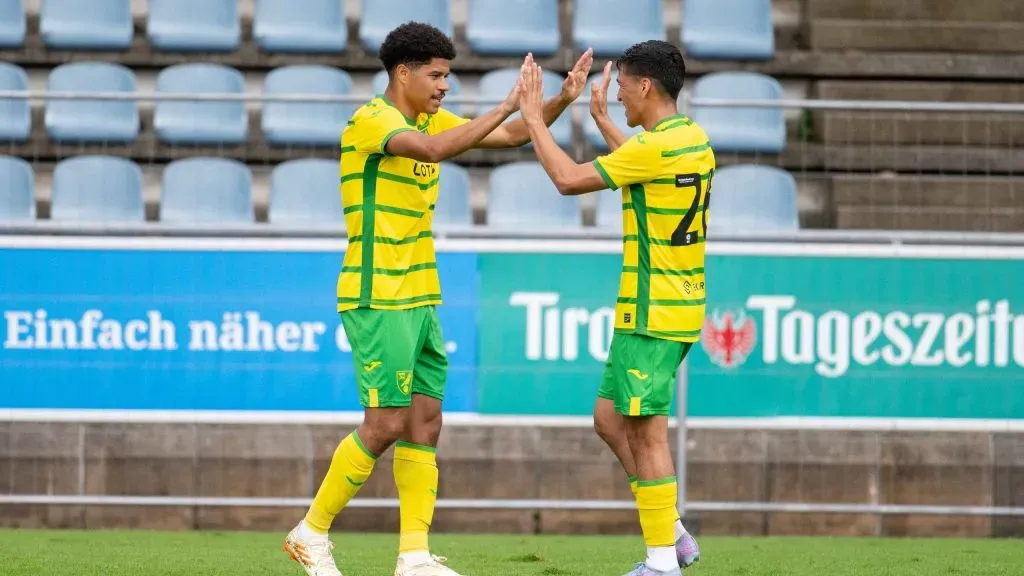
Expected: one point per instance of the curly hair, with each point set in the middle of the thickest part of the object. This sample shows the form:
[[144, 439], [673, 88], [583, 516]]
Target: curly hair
[[658, 60], [414, 44]]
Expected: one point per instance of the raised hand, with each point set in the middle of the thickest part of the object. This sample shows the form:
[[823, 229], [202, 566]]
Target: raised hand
[[599, 93], [514, 99], [532, 101], [577, 78]]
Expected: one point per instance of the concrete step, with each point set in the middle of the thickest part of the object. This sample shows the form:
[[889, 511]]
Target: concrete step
[[929, 203], [941, 10], [919, 128], [917, 35]]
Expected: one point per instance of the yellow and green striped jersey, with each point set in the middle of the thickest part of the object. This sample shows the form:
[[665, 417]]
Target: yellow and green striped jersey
[[665, 178], [388, 201]]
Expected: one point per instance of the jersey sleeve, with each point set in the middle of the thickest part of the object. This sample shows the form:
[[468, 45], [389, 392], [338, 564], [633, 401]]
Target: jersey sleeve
[[631, 163], [445, 120], [373, 131]]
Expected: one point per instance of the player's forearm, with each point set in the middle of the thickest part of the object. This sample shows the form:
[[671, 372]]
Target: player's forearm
[[555, 161], [611, 133], [516, 130], [451, 143]]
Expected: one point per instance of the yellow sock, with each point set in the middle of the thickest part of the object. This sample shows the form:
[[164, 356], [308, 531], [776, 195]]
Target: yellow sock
[[632, 486], [656, 500], [350, 467], [416, 478]]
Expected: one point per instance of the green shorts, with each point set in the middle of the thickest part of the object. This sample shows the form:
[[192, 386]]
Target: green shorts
[[640, 374], [397, 353]]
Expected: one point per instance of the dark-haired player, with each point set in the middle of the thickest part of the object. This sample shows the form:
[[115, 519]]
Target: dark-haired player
[[664, 174], [388, 288]]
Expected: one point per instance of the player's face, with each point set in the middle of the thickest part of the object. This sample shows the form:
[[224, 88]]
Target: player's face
[[631, 95], [428, 85]]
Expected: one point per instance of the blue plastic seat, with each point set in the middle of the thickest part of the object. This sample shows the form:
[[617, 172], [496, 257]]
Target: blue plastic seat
[[502, 28], [309, 26], [18, 181], [15, 114], [87, 24], [728, 29], [615, 110], [80, 120], [496, 84], [97, 189], [753, 198], [13, 24], [741, 130], [612, 26], [608, 212], [380, 84], [522, 196], [194, 25], [453, 206], [318, 123], [207, 190], [379, 17], [306, 192], [196, 121]]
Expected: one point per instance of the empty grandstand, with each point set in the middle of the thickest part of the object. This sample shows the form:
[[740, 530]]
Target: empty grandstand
[[873, 119]]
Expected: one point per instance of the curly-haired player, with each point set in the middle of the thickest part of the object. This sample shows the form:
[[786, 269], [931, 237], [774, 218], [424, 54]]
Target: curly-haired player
[[388, 288]]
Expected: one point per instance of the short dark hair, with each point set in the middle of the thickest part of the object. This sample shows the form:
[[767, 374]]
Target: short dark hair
[[658, 60], [414, 44]]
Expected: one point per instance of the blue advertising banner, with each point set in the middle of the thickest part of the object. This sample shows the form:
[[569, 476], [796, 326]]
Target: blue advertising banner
[[196, 330]]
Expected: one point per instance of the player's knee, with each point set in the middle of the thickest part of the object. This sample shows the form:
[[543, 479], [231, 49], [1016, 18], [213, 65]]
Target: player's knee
[[608, 426], [646, 434], [382, 427]]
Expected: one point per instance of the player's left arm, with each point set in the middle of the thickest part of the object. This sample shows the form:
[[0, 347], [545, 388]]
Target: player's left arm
[[515, 133]]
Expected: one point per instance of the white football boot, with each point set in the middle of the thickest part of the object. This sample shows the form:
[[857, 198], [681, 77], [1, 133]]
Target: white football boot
[[433, 567], [313, 554]]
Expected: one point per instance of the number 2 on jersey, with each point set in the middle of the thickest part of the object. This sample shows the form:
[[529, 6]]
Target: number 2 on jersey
[[682, 236]]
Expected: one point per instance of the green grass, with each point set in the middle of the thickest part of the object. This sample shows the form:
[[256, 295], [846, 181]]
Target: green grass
[[119, 553]]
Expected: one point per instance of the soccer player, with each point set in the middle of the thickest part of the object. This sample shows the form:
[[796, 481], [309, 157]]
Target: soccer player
[[388, 288], [664, 173]]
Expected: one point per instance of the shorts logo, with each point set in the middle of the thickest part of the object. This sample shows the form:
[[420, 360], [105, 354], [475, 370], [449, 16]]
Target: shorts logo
[[404, 380], [371, 366], [637, 374]]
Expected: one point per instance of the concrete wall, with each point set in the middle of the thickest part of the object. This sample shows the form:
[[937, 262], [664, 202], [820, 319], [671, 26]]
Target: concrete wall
[[480, 462]]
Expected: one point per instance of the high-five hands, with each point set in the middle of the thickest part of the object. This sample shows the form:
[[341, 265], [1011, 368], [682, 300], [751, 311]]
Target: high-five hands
[[513, 101], [531, 101], [599, 93], [576, 81]]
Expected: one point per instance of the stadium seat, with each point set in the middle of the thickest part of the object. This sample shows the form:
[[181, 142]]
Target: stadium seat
[[18, 202], [608, 213], [207, 190], [617, 112], [380, 84], [194, 25], [15, 114], [79, 120], [381, 16], [612, 26], [311, 123], [13, 23], [741, 130], [453, 207], [309, 26], [200, 122], [496, 85], [86, 24], [503, 28], [522, 196], [753, 198], [97, 189], [306, 192], [728, 29]]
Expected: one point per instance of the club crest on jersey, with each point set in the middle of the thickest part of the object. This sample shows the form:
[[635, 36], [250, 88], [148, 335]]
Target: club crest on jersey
[[404, 380], [729, 337]]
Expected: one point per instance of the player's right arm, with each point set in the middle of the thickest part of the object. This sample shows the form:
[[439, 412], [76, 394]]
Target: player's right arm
[[454, 141], [599, 111]]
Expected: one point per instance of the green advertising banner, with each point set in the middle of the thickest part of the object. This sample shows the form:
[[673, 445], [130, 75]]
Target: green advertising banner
[[818, 336]]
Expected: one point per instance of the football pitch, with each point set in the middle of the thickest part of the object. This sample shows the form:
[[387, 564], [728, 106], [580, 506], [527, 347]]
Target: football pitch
[[123, 553]]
